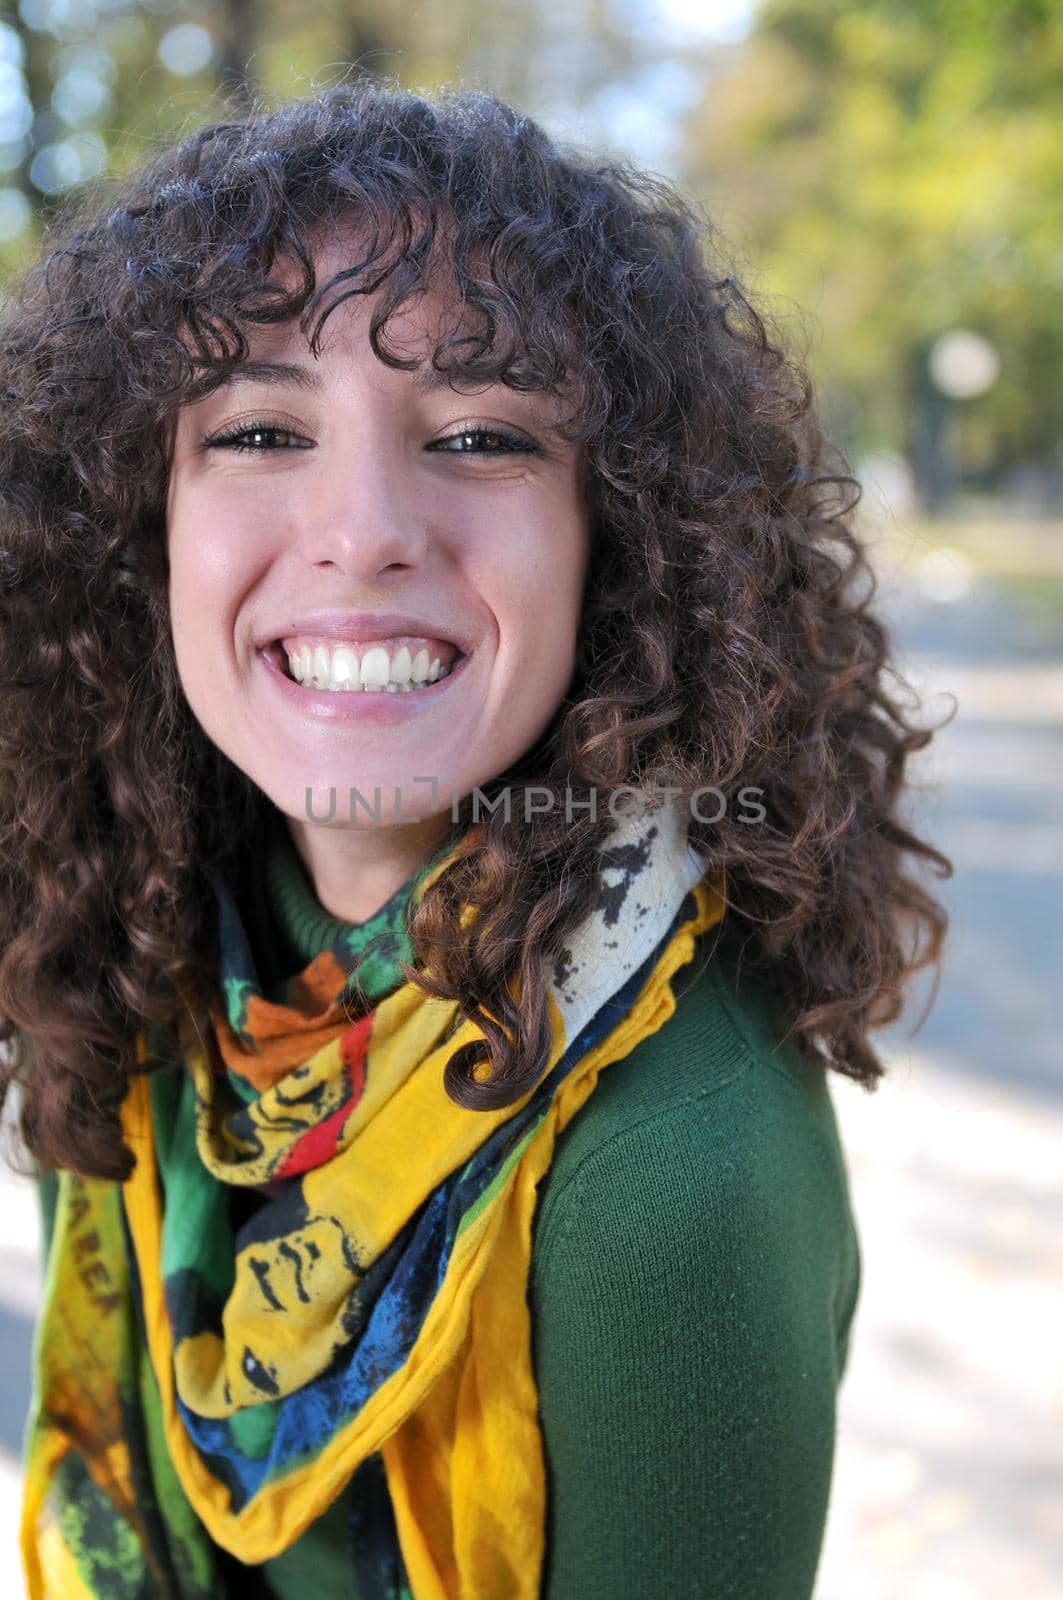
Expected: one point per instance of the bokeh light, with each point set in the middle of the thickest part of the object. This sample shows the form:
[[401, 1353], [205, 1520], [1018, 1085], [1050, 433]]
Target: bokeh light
[[15, 214], [186, 49], [964, 365]]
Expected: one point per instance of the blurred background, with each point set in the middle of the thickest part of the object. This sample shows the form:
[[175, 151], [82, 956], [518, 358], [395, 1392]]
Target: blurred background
[[889, 174]]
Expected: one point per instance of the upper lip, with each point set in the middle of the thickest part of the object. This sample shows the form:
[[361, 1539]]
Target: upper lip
[[337, 624]]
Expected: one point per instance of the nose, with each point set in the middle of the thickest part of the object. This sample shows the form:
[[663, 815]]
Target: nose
[[365, 515]]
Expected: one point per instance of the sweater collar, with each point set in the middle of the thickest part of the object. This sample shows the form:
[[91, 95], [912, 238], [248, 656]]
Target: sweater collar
[[298, 915], [278, 946], [304, 928]]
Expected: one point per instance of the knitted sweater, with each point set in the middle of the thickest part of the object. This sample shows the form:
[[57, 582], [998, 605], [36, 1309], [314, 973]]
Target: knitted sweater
[[688, 1428]]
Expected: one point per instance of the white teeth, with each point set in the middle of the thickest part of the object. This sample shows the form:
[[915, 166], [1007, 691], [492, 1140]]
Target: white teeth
[[401, 665], [375, 668], [317, 669], [344, 668]]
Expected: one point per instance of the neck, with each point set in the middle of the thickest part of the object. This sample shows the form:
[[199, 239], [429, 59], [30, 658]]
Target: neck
[[356, 870]]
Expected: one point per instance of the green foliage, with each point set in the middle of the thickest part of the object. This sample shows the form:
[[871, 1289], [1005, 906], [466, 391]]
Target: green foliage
[[894, 168], [891, 169]]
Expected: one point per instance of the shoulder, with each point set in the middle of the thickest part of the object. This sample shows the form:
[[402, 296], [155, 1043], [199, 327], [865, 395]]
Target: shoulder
[[694, 1273], [711, 1142]]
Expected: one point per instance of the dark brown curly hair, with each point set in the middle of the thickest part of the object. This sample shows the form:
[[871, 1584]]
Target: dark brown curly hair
[[722, 643]]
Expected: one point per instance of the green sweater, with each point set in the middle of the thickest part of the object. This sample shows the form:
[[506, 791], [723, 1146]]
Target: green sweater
[[688, 1429]]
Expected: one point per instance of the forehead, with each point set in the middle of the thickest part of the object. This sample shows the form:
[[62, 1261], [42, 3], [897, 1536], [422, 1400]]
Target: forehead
[[337, 319], [432, 311]]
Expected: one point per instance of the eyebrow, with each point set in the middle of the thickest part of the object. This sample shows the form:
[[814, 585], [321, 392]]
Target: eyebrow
[[425, 381], [273, 372]]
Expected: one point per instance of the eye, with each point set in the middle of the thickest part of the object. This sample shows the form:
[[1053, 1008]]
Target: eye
[[471, 442], [258, 437], [264, 436]]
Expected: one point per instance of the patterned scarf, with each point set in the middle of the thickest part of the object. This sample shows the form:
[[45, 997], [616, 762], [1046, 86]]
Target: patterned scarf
[[315, 1281]]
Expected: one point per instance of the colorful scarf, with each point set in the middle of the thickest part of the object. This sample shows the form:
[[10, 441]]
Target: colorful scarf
[[207, 1383]]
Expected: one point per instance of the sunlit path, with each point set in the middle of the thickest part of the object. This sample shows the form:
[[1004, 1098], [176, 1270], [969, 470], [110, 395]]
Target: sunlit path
[[19, 1299], [948, 1477]]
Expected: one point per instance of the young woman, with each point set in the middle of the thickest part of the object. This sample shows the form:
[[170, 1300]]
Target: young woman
[[450, 828]]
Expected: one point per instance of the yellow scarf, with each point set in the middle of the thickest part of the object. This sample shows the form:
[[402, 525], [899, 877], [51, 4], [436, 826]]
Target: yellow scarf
[[374, 1311]]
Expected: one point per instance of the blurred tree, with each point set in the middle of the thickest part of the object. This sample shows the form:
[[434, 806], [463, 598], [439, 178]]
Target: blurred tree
[[887, 164], [894, 167], [239, 31], [130, 75]]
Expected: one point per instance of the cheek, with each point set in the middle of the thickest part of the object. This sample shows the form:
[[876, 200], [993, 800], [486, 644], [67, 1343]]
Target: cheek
[[546, 601], [548, 571], [204, 595], [202, 555], [563, 577], [181, 552], [213, 561]]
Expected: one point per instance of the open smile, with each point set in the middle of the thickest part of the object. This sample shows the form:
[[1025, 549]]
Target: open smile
[[389, 703]]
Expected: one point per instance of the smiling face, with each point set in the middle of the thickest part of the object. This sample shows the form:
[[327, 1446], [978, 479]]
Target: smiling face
[[315, 488]]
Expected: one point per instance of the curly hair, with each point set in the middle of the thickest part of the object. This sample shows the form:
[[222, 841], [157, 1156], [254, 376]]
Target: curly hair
[[721, 643]]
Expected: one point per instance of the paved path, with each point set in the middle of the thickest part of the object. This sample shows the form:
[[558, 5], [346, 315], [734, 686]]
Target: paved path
[[19, 1296], [948, 1481]]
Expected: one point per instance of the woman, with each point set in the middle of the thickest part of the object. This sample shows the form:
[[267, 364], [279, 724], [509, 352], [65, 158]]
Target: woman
[[450, 828]]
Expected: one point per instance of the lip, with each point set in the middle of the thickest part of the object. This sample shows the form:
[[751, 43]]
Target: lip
[[359, 705], [333, 623]]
